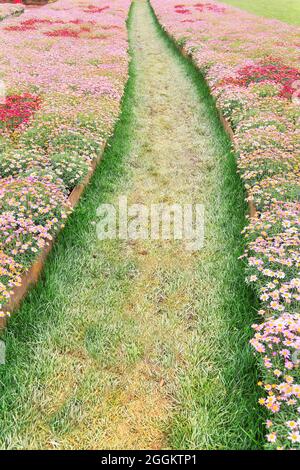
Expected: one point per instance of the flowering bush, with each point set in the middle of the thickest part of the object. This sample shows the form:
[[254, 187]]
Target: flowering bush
[[267, 70], [70, 168], [64, 66], [31, 209], [273, 257], [277, 341], [252, 67], [10, 277]]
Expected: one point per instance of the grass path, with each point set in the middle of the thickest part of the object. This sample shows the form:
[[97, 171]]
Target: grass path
[[141, 344], [284, 10]]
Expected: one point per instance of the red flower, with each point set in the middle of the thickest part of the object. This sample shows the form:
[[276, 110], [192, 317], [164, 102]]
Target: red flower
[[95, 9], [269, 69], [17, 110]]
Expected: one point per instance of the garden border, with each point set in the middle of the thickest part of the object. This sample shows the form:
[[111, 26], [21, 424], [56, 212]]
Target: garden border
[[230, 133], [30, 277], [225, 123]]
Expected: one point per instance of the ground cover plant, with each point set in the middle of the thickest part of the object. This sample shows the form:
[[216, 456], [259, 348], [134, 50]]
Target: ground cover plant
[[64, 68], [252, 67]]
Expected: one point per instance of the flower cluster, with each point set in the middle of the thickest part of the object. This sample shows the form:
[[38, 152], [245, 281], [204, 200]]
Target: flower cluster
[[95, 9], [277, 341], [32, 208], [17, 110], [252, 67], [64, 67], [10, 277], [207, 6], [267, 70]]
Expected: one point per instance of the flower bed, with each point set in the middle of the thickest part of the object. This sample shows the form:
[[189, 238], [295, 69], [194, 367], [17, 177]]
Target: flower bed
[[17, 110], [252, 67], [64, 67]]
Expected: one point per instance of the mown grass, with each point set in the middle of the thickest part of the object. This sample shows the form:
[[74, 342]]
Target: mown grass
[[284, 10], [217, 397]]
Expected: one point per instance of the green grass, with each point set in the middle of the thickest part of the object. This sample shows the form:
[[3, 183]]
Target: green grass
[[108, 351], [284, 10], [217, 404]]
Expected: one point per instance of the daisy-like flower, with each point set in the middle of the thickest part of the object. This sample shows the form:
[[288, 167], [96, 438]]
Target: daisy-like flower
[[292, 424], [294, 436], [272, 437]]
